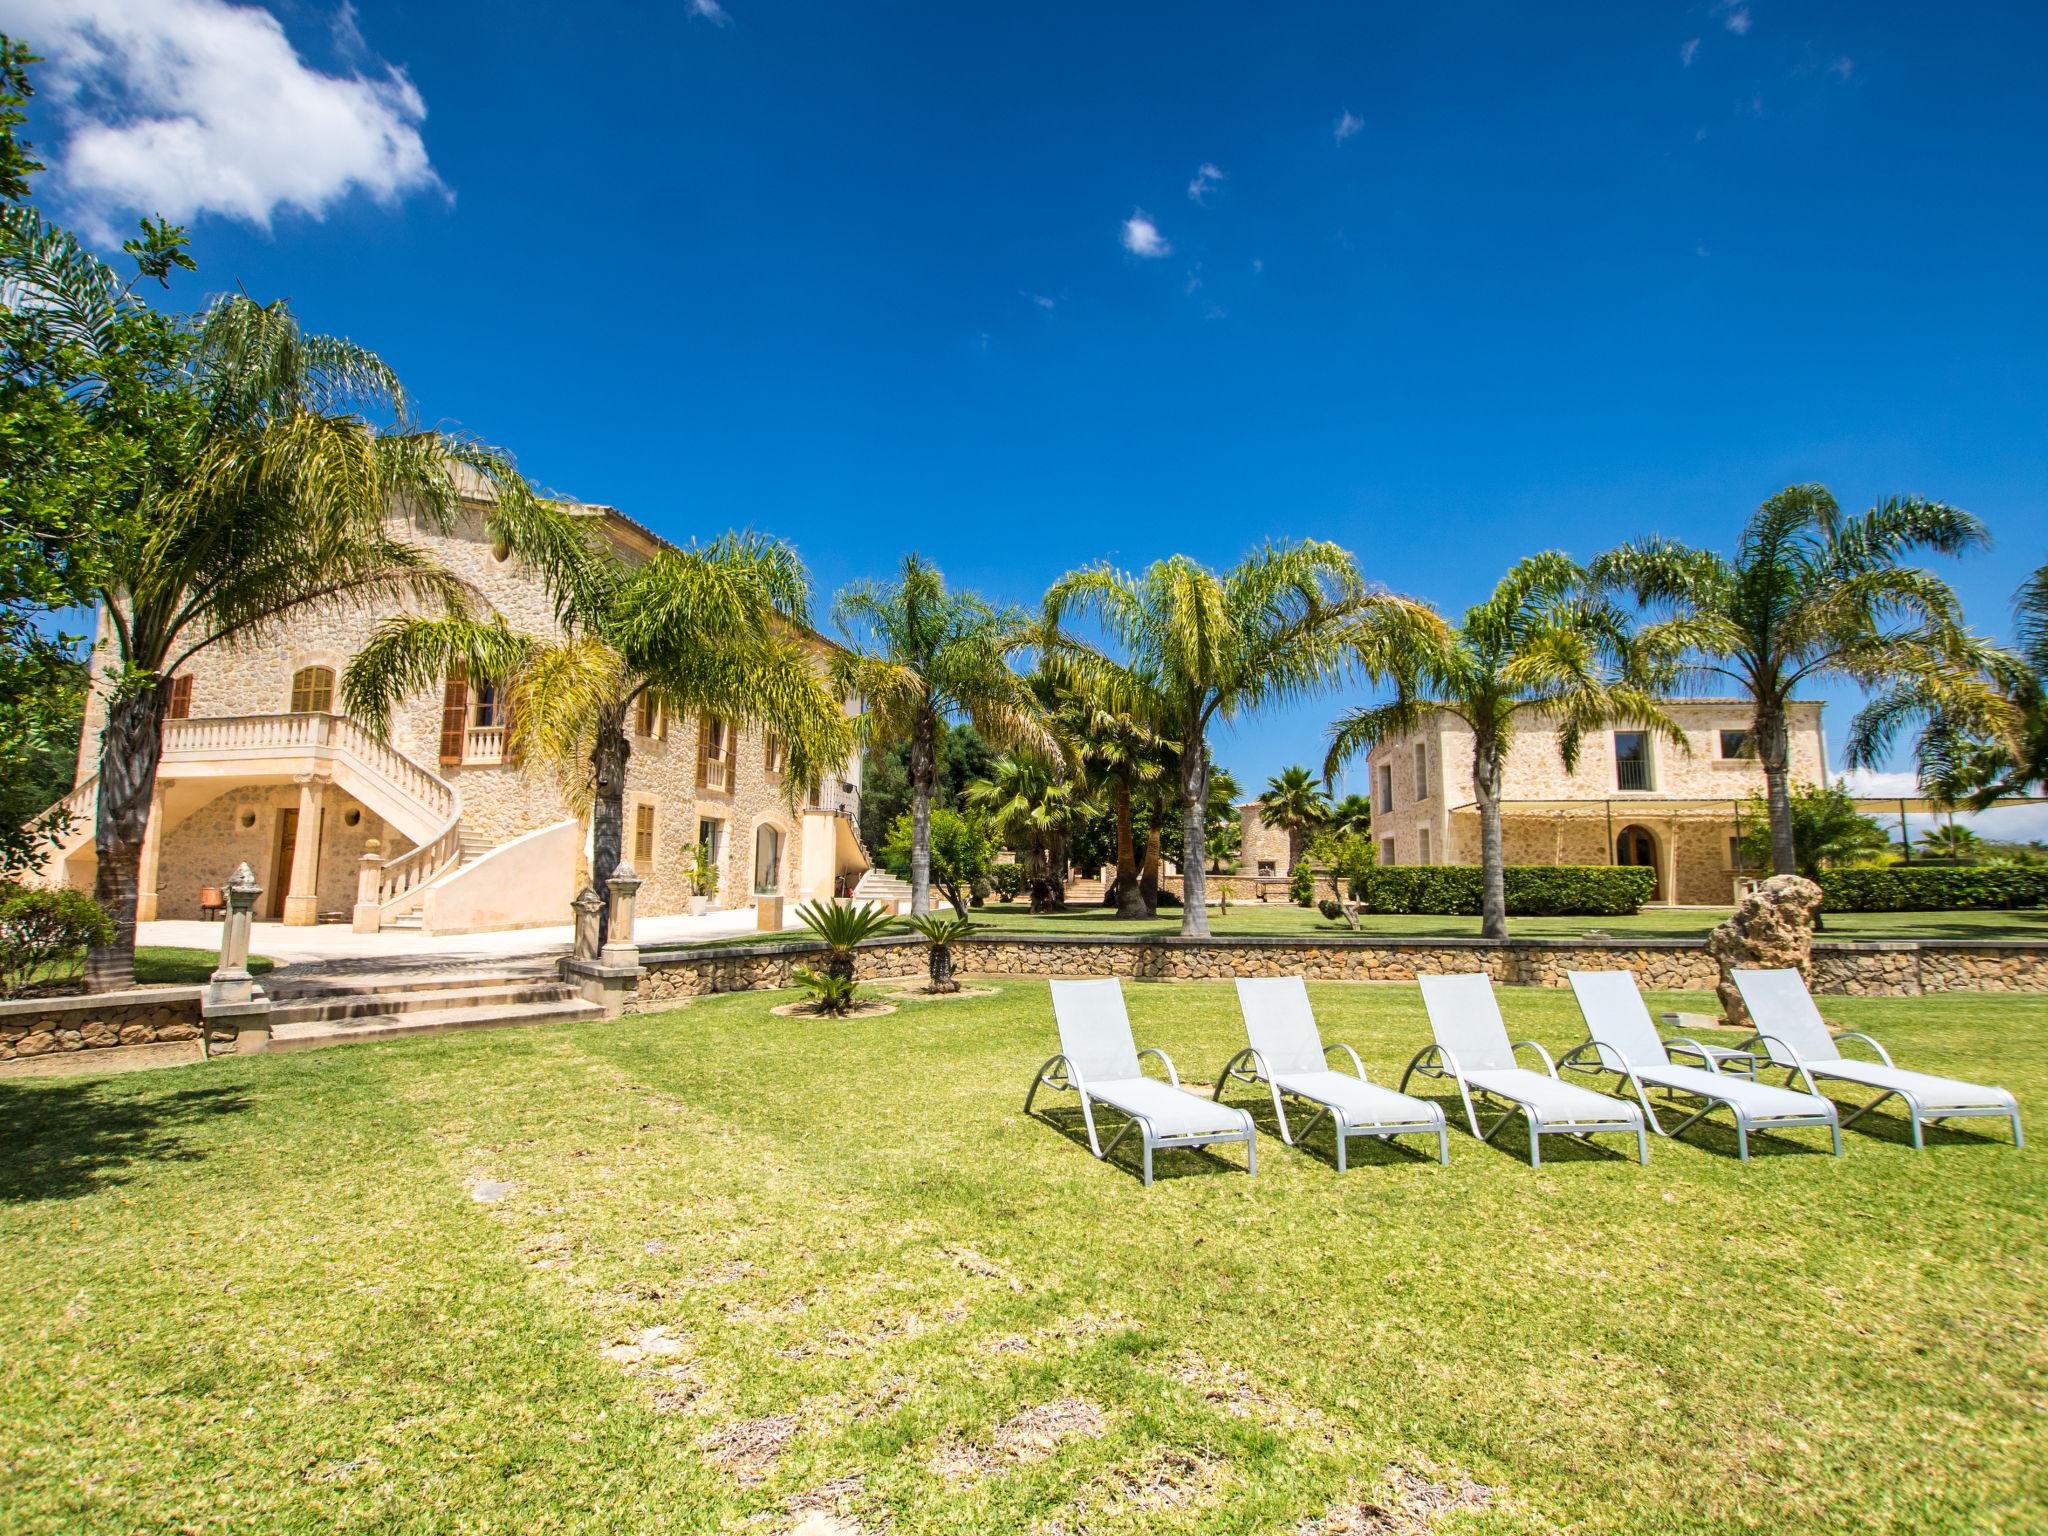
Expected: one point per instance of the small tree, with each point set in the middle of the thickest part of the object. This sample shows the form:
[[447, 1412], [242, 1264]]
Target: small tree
[[1827, 830], [1008, 879], [942, 933], [44, 936], [1295, 803], [962, 854]]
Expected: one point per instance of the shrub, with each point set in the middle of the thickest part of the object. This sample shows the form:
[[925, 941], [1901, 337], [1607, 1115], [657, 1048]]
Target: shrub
[[1008, 879], [1301, 885], [1533, 890], [44, 935], [1913, 888], [829, 994], [1330, 910]]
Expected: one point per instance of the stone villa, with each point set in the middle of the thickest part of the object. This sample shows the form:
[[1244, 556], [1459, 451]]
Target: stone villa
[[1633, 799], [440, 826]]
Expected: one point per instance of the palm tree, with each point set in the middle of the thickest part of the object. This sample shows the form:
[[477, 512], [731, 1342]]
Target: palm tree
[[1808, 595], [267, 495], [713, 630], [1199, 647], [1351, 816], [919, 656], [1113, 753], [1295, 803], [1033, 809], [1539, 645], [1951, 841]]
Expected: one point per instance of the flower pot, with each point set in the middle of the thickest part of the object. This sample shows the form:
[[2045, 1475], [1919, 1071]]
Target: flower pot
[[698, 904]]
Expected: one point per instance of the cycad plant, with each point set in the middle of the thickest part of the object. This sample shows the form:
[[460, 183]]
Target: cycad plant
[[843, 927], [1186, 647], [1540, 645], [1811, 595], [1295, 803], [711, 630], [942, 930], [918, 656]]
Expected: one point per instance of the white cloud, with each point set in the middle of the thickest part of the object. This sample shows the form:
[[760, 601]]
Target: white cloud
[[182, 107], [1843, 67], [1687, 51], [711, 11], [1734, 16], [1258, 264], [1348, 124], [1142, 238], [1205, 182], [1042, 300]]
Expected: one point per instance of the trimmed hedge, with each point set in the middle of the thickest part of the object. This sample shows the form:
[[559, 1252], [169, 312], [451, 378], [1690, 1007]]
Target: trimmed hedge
[[1905, 888], [1533, 890]]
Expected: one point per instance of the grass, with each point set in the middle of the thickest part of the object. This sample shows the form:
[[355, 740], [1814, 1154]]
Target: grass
[[834, 1263], [158, 965]]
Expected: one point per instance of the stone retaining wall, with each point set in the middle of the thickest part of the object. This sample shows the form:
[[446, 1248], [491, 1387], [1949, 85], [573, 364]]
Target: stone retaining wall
[[40, 1026], [1901, 969]]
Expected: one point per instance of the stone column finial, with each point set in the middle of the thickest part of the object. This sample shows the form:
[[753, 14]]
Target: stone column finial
[[231, 982], [589, 907], [369, 881], [619, 947]]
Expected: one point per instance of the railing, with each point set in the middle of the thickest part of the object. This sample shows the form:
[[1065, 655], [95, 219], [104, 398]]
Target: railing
[[717, 773], [483, 744], [1632, 773]]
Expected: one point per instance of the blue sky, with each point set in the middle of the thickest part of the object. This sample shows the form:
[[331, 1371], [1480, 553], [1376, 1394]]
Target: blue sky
[[1461, 281]]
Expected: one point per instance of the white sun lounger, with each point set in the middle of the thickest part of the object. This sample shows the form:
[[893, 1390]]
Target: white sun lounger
[[1792, 1031], [1625, 1042], [1099, 1060], [1472, 1049], [1287, 1054]]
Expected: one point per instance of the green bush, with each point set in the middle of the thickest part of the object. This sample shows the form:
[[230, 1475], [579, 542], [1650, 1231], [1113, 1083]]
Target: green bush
[[1330, 910], [1301, 885], [1533, 890], [1007, 878], [1913, 888], [44, 935]]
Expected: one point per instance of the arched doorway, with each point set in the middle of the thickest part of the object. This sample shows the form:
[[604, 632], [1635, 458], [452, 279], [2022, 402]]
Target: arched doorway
[[1635, 845]]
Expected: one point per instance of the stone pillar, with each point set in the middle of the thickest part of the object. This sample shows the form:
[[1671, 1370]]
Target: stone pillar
[[369, 879], [588, 905], [302, 899], [152, 845], [232, 997], [619, 948]]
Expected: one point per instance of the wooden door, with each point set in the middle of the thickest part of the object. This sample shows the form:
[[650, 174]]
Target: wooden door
[[281, 861]]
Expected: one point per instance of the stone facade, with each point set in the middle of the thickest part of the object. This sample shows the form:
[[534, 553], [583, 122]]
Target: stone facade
[[1669, 965], [1677, 806], [200, 832], [43, 1026], [1264, 849]]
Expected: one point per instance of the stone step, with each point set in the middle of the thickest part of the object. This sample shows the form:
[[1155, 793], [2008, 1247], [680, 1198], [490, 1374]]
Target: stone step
[[432, 1021], [879, 885], [355, 1005], [285, 987]]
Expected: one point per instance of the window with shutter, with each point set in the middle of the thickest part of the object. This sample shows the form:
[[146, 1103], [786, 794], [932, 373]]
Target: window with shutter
[[454, 713], [313, 691], [179, 705], [643, 837]]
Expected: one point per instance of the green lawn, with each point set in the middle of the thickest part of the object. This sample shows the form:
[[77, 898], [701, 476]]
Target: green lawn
[[1277, 918], [847, 1272], [168, 965]]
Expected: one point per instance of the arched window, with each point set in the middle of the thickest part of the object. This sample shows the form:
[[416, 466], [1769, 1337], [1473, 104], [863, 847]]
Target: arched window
[[313, 691], [767, 860], [1633, 845]]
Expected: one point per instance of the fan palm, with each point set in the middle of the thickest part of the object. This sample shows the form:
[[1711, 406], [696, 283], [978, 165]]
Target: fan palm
[[269, 493], [707, 630], [1194, 647], [1033, 809], [1115, 754], [918, 656], [1810, 594], [1295, 803], [1541, 644], [1351, 816]]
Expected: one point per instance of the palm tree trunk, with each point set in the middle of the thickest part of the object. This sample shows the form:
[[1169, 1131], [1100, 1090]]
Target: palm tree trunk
[[1130, 901], [1148, 875], [130, 749], [1057, 869], [1293, 849], [923, 771], [608, 813], [1493, 895], [942, 969], [1194, 850], [1774, 751]]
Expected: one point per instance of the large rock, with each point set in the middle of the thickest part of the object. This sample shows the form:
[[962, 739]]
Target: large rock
[[1772, 930]]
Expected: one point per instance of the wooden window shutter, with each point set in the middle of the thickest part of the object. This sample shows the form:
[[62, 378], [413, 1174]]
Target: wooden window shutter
[[643, 836], [508, 717], [180, 705], [454, 713], [703, 751]]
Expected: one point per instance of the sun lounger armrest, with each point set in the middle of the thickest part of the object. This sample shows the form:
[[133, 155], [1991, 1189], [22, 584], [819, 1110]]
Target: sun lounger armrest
[[1693, 1047], [1569, 1060], [1068, 1077], [1356, 1065], [1258, 1074], [1548, 1065], [1792, 1057], [1883, 1055], [1164, 1060]]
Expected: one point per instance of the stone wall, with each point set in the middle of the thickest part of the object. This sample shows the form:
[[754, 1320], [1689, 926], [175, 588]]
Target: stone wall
[[1674, 965], [42, 1026]]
